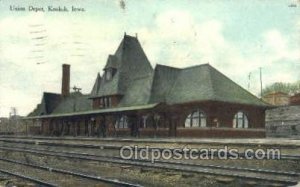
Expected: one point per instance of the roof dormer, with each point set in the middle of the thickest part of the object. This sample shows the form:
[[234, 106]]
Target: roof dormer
[[109, 73], [111, 67]]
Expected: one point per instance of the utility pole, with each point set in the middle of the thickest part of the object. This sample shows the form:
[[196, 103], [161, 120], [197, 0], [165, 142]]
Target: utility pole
[[260, 82], [249, 78], [14, 111], [76, 90]]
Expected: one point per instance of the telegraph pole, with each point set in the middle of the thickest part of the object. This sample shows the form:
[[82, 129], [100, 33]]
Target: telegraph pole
[[76, 90], [260, 82], [249, 77]]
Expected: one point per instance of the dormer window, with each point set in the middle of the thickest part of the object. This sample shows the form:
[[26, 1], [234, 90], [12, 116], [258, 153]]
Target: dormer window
[[109, 73]]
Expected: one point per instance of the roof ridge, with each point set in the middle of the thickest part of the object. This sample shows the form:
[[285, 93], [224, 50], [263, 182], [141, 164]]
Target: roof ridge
[[51, 93], [185, 68], [129, 36], [121, 64], [211, 82], [97, 84], [252, 95], [141, 47], [151, 87], [196, 66], [166, 66]]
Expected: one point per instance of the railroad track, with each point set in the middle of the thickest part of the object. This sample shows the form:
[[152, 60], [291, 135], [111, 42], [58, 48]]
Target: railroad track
[[158, 161], [31, 179], [115, 147], [282, 177], [76, 174]]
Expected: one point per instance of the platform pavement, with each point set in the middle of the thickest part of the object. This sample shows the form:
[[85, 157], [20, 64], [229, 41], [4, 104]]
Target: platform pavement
[[247, 141]]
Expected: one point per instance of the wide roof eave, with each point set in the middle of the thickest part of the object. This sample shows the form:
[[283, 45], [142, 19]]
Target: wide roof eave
[[99, 111]]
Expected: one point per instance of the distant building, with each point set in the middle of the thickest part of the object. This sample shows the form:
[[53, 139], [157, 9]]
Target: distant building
[[276, 98], [4, 122], [295, 99], [133, 99], [12, 125]]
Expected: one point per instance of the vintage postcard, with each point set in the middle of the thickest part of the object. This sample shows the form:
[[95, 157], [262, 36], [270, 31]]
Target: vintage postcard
[[149, 93]]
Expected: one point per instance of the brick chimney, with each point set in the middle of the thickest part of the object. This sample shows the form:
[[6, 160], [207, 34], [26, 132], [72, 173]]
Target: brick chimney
[[65, 86]]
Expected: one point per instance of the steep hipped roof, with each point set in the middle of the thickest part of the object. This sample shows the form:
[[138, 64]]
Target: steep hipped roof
[[112, 62], [52, 100], [198, 83], [228, 91], [163, 80], [96, 86], [130, 62], [138, 92], [74, 103], [39, 110], [49, 102]]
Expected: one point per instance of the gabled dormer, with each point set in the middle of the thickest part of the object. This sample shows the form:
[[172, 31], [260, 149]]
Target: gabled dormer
[[111, 68]]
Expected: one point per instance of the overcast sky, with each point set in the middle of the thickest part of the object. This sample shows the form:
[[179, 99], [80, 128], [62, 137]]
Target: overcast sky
[[234, 36]]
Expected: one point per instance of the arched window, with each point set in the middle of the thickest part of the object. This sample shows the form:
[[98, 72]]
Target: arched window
[[122, 122], [196, 119], [240, 120]]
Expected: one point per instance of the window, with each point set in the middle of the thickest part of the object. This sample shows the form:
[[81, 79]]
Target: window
[[144, 121], [196, 119], [105, 102], [122, 122], [108, 74], [101, 103], [240, 120], [109, 101]]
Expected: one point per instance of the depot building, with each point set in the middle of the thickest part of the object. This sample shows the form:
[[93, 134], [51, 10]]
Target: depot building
[[130, 98]]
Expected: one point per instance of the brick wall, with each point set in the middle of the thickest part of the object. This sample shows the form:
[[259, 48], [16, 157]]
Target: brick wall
[[220, 133], [160, 132], [223, 113]]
